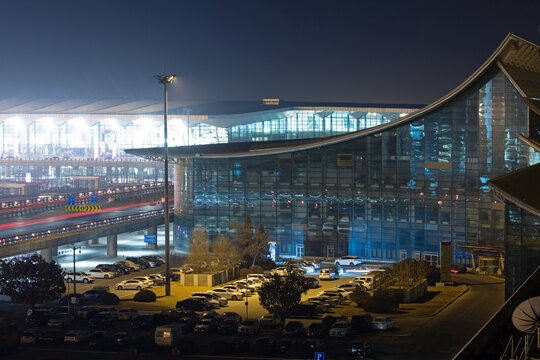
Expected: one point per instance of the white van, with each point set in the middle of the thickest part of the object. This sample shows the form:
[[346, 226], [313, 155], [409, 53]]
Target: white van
[[327, 274], [369, 280], [167, 335]]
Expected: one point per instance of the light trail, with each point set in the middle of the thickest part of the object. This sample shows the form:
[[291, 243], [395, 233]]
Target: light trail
[[70, 216]]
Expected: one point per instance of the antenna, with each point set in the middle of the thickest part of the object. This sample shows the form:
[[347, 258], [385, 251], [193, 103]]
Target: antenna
[[526, 317]]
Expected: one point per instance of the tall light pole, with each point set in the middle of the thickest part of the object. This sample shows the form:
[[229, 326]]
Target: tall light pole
[[166, 79]]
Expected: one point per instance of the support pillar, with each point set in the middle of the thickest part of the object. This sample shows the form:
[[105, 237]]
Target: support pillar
[[54, 251], [152, 230], [47, 254], [84, 243], [112, 246], [94, 241]]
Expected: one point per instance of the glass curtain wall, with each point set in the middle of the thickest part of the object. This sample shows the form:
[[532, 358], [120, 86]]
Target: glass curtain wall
[[389, 195]]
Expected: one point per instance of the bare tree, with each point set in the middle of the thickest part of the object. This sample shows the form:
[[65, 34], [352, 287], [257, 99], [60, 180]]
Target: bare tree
[[225, 251], [199, 248]]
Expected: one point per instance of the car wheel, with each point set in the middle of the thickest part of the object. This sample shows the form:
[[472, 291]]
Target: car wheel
[[338, 263], [352, 264], [118, 288], [139, 288], [106, 277], [234, 297], [85, 281]]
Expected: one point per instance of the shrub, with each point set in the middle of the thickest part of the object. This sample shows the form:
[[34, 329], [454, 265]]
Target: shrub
[[145, 296], [359, 295], [244, 272], [266, 263], [380, 302], [110, 299], [256, 269]]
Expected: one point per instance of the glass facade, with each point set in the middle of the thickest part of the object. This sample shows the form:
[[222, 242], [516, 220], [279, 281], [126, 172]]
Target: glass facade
[[522, 248], [392, 194]]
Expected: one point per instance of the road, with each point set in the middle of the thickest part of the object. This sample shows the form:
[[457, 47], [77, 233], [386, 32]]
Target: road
[[18, 226]]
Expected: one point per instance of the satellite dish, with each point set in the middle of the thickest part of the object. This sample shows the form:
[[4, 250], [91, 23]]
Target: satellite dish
[[526, 317]]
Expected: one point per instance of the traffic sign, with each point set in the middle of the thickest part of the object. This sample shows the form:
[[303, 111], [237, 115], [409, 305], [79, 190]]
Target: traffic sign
[[319, 356], [150, 239], [93, 198], [71, 199]]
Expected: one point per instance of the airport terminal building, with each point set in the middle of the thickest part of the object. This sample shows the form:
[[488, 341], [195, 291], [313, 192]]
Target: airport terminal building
[[387, 190]]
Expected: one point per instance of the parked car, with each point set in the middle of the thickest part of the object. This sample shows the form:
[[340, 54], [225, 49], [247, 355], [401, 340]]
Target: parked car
[[38, 307], [51, 336], [348, 260], [322, 307], [117, 271], [126, 314], [327, 274], [143, 322], [249, 326], [340, 329], [227, 293], [228, 326], [158, 279], [86, 312], [294, 328], [129, 264], [382, 323], [187, 324], [133, 284], [168, 335], [359, 349], [121, 338], [231, 315], [78, 276], [76, 337], [60, 320], [334, 298], [38, 317], [102, 320], [195, 304], [361, 322], [141, 262], [458, 269], [145, 280], [206, 326], [29, 336], [260, 277], [316, 329], [101, 274], [216, 304], [269, 321]]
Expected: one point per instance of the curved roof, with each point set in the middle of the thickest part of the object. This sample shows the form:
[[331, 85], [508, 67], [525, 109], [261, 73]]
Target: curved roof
[[517, 58], [520, 187]]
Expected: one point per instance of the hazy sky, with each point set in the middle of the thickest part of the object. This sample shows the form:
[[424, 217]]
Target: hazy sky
[[343, 51]]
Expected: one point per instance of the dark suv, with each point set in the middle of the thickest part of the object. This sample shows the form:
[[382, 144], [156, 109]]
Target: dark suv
[[193, 304]]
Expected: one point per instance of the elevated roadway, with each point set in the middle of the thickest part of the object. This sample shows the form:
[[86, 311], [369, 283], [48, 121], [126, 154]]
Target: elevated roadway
[[28, 235]]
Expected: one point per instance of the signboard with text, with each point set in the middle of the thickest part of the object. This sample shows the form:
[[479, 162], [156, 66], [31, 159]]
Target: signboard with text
[[150, 239]]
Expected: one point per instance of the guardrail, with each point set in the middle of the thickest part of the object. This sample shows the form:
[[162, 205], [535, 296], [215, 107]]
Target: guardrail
[[12, 240]]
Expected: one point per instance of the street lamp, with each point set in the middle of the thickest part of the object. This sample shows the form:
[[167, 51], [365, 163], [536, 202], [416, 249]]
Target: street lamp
[[166, 79]]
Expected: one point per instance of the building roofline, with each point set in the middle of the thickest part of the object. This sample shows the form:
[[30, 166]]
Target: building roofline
[[503, 50]]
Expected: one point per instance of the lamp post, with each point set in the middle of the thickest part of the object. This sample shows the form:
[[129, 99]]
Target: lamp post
[[73, 302], [166, 79]]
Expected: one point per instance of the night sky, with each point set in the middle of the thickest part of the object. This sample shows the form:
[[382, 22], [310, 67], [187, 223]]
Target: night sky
[[342, 51]]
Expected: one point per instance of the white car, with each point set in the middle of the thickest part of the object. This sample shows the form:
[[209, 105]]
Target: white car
[[327, 274], [78, 277], [131, 285], [348, 260], [281, 271], [256, 276], [214, 302], [227, 293], [145, 279], [340, 329], [29, 336], [334, 298], [101, 274]]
